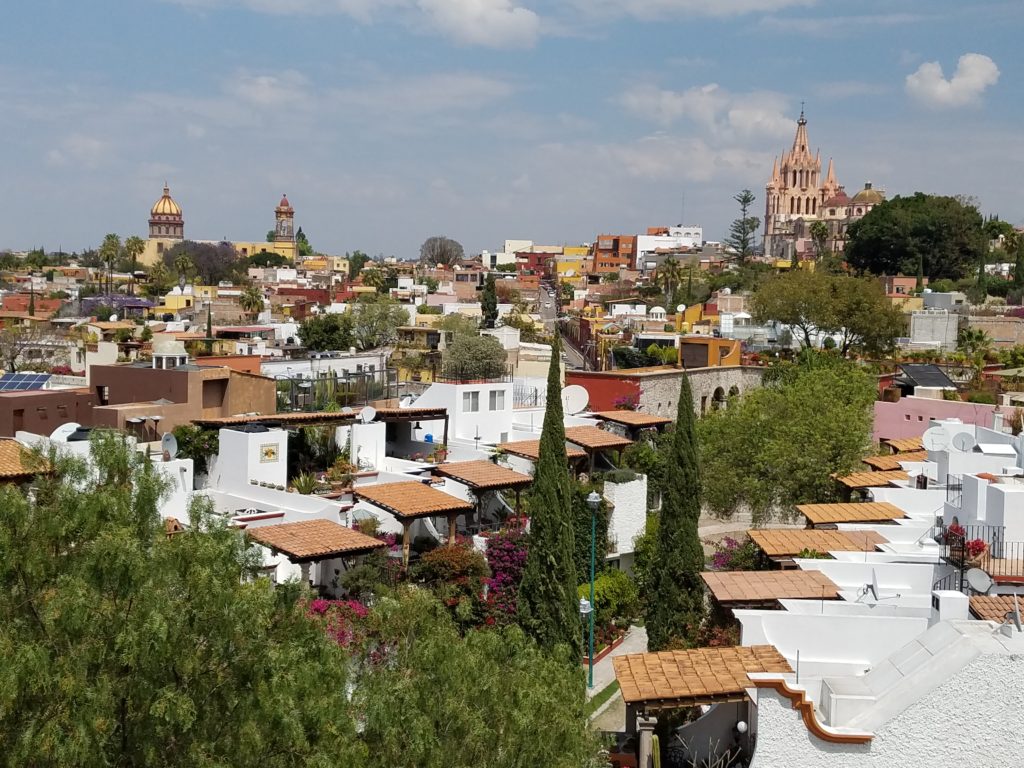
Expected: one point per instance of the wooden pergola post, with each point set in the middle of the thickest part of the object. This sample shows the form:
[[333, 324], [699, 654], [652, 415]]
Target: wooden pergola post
[[519, 506], [452, 518], [445, 438], [406, 544]]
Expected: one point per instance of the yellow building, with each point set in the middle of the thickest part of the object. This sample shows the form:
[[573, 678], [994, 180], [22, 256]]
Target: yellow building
[[321, 263], [167, 229]]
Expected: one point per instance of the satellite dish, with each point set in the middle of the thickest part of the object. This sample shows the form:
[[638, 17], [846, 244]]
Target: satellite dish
[[347, 411], [680, 308], [64, 431], [1014, 615], [873, 586], [575, 398], [113, 318], [368, 414], [979, 581], [935, 439], [964, 441], [169, 444]]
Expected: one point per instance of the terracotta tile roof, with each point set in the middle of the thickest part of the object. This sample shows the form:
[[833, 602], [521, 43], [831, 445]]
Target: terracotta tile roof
[[905, 445], [789, 542], [633, 418], [699, 675], [892, 461], [994, 607], [530, 449], [410, 500], [859, 480], [867, 512], [313, 539], [596, 439], [483, 475], [324, 417], [762, 586], [16, 460]]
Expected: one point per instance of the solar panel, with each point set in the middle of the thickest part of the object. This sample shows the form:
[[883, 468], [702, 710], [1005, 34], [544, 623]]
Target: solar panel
[[923, 375], [23, 382]]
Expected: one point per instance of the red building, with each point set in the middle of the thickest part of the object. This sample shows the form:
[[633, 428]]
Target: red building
[[535, 263]]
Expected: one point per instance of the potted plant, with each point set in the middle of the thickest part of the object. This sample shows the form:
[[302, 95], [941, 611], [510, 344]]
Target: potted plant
[[974, 551], [304, 483]]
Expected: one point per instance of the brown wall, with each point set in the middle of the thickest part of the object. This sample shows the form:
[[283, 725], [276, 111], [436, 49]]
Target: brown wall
[[42, 411], [126, 384]]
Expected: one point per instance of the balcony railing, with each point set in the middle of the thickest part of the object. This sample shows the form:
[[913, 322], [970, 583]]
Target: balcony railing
[[984, 547]]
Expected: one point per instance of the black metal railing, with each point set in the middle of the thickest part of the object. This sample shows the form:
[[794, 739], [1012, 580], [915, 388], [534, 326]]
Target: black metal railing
[[528, 396], [984, 547], [455, 374], [954, 489]]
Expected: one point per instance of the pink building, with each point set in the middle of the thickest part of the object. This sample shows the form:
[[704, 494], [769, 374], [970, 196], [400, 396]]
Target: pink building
[[909, 416]]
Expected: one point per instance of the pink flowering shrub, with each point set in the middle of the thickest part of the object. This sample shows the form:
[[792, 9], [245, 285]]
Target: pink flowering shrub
[[339, 618], [626, 402], [730, 555], [506, 556]]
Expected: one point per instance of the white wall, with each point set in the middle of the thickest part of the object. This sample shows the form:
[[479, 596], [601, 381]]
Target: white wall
[[629, 512], [369, 445], [245, 456], [965, 721], [905, 578], [491, 426], [179, 473]]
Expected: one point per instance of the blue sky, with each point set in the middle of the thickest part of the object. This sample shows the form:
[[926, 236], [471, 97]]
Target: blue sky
[[387, 121]]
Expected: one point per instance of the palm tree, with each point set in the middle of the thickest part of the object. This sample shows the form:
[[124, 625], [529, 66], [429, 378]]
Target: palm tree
[[668, 276], [375, 278], [133, 248], [110, 251], [974, 342], [251, 301]]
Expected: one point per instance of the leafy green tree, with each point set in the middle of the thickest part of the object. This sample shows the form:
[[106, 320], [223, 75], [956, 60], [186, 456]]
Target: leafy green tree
[[668, 277], [548, 609], [110, 252], [356, 261], [744, 229], [458, 324], [125, 646], [675, 605], [376, 323], [489, 303], [941, 236], [267, 259], [819, 236], [327, 332], [302, 245], [475, 357], [197, 444], [441, 251], [488, 698], [133, 248], [209, 262], [778, 446]]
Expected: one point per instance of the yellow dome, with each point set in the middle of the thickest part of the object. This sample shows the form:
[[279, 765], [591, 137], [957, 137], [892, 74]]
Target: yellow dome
[[166, 206], [868, 196]]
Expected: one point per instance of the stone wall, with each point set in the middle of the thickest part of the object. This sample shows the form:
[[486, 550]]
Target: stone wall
[[659, 394]]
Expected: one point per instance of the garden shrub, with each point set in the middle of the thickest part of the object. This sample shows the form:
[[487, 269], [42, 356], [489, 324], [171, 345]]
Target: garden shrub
[[616, 598], [506, 557]]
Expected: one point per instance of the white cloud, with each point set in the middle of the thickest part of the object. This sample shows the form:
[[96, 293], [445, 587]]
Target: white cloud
[[974, 73], [713, 108], [656, 9], [839, 26], [288, 88], [491, 23], [78, 149], [429, 94]]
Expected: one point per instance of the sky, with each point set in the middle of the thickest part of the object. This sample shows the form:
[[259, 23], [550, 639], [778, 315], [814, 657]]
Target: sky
[[388, 121]]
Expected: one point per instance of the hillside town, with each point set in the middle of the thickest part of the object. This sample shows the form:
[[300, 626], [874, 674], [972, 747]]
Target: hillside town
[[665, 495]]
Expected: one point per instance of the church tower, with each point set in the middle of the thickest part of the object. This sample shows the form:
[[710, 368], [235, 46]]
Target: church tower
[[793, 193], [284, 222], [165, 219]]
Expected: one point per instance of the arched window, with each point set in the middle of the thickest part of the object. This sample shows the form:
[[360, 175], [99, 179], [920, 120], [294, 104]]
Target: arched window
[[791, 204], [814, 206]]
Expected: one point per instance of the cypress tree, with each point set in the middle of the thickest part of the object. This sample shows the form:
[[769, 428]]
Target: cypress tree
[[489, 303], [548, 607], [675, 606]]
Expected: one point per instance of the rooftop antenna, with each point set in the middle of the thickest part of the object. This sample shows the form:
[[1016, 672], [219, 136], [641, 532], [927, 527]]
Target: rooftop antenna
[[1013, 617]]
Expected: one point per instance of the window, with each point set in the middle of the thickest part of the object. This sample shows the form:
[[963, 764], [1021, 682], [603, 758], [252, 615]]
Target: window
[[470, 402], [498, 400]]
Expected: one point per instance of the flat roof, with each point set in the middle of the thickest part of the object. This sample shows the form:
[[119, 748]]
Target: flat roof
[[483, 475], [411, 499], [768, 586], [905, 444], [892, 461], [696, 676], [866, 512], [860, 480], [596, 439], [313, 539], [632, 418], [530, 449], [324, 417], [789, 542]]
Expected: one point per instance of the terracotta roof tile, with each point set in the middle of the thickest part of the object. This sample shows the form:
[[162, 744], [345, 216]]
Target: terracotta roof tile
[[866, 512], [860, 480], [764, 586], [411, 500], [326, 417], [16, 460], [789, 542], [595, 438], [892, 461], [699, 675], [313, 539], [530, 449], [483, 475], [994, 607], [632, 418], [905, 445]]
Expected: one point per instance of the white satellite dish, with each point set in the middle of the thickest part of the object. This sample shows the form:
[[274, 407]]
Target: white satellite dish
[[979, 581], [64, 431], [873, 586], [368, 414], [169, 444], [935, 439], [1014, 615], [347, 411], [575, 398], [964, 441], [113, 319], [680, 308]]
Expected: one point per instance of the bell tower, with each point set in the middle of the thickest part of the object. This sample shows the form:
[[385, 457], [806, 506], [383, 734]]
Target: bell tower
[[284, 222]]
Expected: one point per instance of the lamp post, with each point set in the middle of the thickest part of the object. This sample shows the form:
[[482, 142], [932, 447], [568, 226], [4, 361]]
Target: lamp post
[[587, 611], [594, 502]]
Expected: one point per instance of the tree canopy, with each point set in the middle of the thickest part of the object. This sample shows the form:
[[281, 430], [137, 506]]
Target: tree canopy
[[441, 251], [778, 446], [376, 323], [938, 236], [210, 262], [856, 309], [743, 231], [327, 332], [489, 302], [475, 357]]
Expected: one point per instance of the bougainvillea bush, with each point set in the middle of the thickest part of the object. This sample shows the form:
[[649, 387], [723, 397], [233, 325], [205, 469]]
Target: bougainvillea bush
[[340, 619], [506, 556], [731, 555]]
